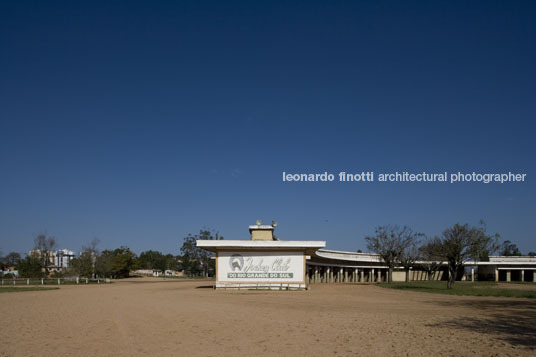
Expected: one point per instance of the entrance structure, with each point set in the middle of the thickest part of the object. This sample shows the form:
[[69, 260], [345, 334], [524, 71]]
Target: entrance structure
[[263, 262]]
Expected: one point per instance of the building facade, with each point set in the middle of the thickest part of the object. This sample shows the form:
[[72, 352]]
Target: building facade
[[263, 262], [267, 262]]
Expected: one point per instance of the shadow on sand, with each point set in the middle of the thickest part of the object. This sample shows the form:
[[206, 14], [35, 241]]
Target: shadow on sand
[[205, 287], [513, 320]]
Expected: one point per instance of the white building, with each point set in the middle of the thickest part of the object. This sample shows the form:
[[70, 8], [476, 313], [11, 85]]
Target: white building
[[63, 258], [267, 262], [263, 262]]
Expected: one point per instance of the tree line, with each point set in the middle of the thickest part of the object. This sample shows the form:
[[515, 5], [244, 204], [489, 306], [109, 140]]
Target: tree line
[[397, 246], [112, 263]]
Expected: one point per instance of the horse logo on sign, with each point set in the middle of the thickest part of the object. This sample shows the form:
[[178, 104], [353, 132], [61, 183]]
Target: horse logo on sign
[[236, 262]]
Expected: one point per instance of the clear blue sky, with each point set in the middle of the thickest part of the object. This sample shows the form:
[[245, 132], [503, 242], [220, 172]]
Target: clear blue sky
[[139, 122]]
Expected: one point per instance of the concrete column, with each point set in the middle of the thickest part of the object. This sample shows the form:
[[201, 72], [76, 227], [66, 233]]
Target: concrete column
[[534, 276], [522, 275], [508, 276], [473, 274], [316, 274], [330, 275], [362, 272], [379, 280], [496, 275], [356, 277], [371, 277], [345, 275]]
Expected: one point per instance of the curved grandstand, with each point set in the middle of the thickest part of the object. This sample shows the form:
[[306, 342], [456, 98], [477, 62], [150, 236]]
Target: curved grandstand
[[333, 266]]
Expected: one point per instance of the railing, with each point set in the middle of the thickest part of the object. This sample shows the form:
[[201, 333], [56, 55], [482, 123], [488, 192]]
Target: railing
[[53, 281]]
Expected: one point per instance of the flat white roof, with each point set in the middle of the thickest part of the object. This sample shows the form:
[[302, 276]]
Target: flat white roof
[[262, 226], [214, 245]]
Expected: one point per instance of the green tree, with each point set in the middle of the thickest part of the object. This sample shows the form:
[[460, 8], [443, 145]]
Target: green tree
[[122, 262], [173, 262], [31, 267], [103, 264], [168, 262], [85, 265], [389, 242], [197, 261], [10, 260], [461, 243], [151, 260], [509, 249], [156, 260]]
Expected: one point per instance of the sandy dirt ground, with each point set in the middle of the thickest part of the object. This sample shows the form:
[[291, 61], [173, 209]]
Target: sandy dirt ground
[[147, 316]]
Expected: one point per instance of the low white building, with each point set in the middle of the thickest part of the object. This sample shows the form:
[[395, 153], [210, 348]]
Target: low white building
[[263, 262]]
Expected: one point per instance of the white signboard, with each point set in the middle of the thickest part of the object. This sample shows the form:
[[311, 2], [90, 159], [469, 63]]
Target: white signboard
[[261, 267]]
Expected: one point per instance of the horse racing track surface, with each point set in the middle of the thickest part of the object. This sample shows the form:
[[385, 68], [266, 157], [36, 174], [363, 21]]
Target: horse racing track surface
[[148, 316]]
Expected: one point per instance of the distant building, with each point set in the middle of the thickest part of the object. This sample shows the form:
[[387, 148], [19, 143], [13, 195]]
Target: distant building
[[9, 271], [63, 258], [57, 260], [148, 272], [157, 272]]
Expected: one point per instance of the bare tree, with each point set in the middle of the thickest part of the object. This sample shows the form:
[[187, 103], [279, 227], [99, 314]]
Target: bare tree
[[44, 247], [410, 255], [460, 243], [432, 263], [389, 243], [84, 266]]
